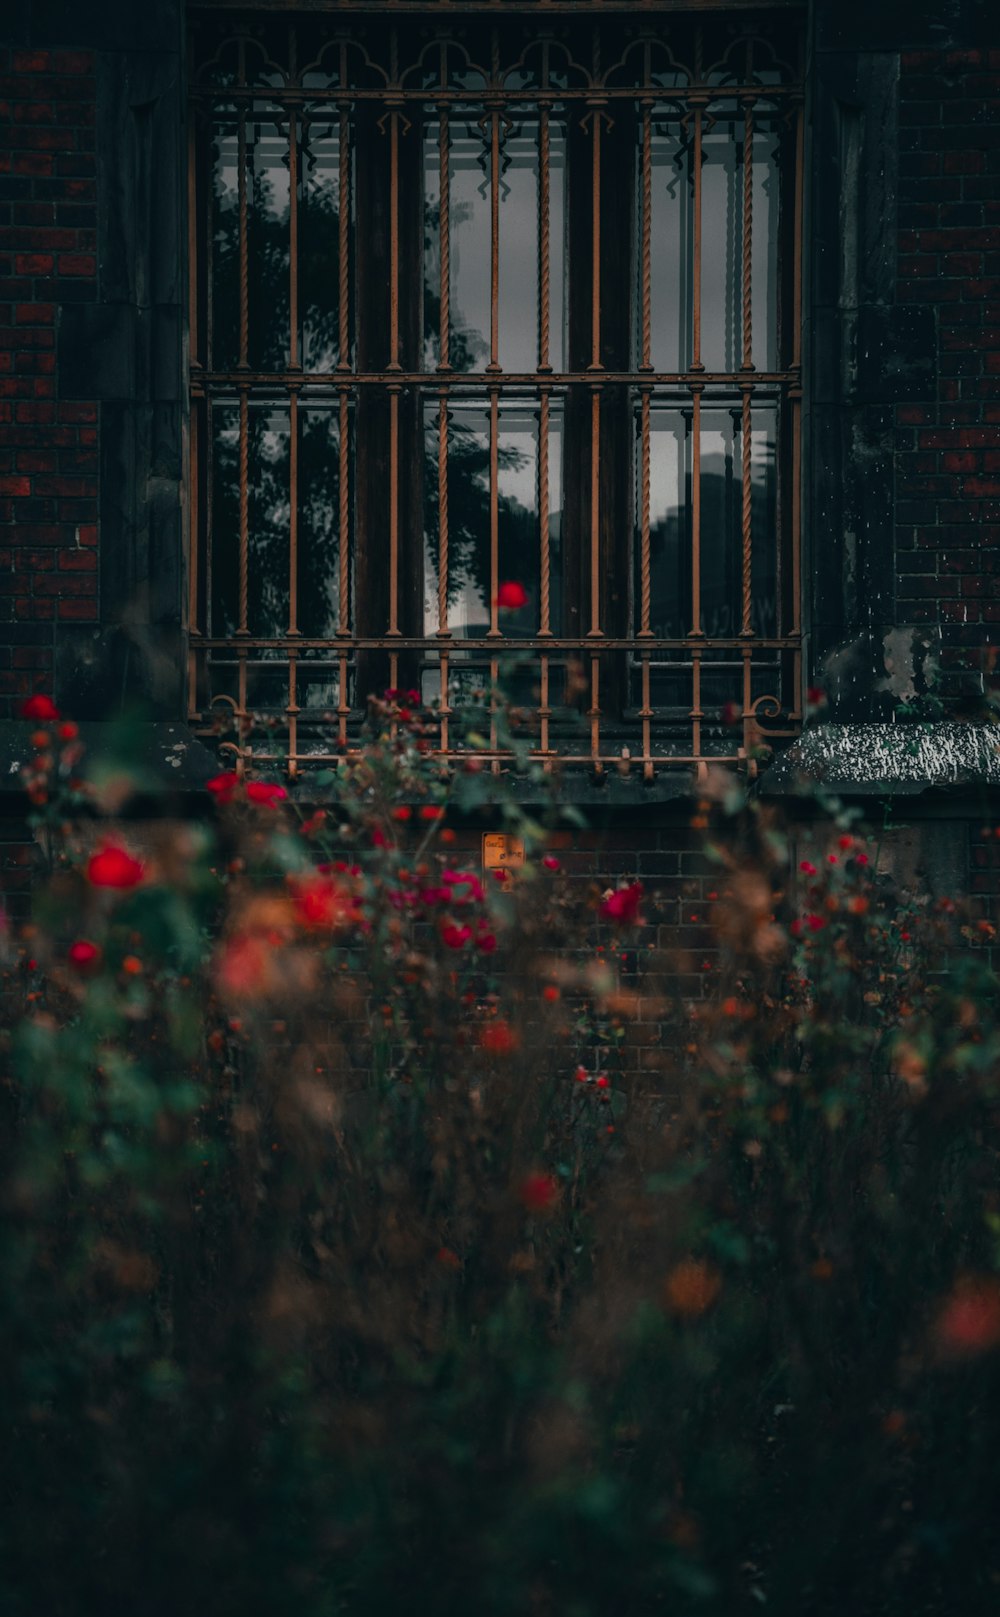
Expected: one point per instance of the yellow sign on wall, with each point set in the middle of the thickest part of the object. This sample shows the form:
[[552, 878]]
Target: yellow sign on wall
[[501, 851]]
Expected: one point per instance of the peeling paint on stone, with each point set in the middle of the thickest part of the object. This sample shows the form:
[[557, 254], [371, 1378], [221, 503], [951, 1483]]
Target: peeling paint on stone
[[891, 758]]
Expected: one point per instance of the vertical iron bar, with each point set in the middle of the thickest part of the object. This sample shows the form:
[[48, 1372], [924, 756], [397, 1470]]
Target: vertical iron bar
[[292, 714], [443, 512], [795, 395], [244, 535], [293, 514], [344, 238], [344, 520], [494, 509], [747, 367], [394, 392], [293, 240], [696, 709], [544, 241], [644, 563], [646, 714], [444, 238], [595, 511], [544, 607], [647, 206], [697, 388], [194, 547], [494, 364], [241, 196]]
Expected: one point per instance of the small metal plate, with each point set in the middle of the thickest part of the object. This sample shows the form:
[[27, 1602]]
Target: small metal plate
[[502, 852]]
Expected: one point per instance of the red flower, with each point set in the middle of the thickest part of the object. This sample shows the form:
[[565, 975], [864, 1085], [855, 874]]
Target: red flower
[[538, 1192], [815, 696], [432, 811], [243, 966], [223, 787], [498, 1038], [732, 713], [623, 905], [969, 1322], [402, 811], [512, 596], [453, 936], [550, 862], [322, 902], [602, 1081], [114, 867], [265, 792], [67, 732], [485, 940], [83, 954], [40, 708]]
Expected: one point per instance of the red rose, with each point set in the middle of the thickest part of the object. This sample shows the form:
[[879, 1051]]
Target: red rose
[[623, 905], [113, 866], [267, 793], [83, 954], [512, 596], [322, 902], [40, 708], [223, 787], [455, 937]]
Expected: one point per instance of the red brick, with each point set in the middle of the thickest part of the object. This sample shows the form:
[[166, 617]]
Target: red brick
[[76, 611], [78, 561], [15, 485], [77, 264], [959, 460], [34, 263], [35, 314], [32, 62], [73, 62]]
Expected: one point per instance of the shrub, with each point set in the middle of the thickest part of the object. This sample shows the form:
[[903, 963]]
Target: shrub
[[348, 1266]]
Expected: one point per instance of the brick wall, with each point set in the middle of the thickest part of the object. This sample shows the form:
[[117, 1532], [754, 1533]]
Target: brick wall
[[948, 452], [48, 446]]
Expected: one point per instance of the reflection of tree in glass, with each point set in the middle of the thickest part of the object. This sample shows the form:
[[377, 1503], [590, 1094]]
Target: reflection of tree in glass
[[318, 469]]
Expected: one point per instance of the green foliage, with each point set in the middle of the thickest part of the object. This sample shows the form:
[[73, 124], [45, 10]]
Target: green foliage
[[353, 1263]]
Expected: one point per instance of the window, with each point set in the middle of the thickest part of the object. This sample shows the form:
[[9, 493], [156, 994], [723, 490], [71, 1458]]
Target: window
[[486, 298]]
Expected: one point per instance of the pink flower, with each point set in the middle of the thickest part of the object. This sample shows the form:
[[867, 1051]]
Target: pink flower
[[83, 954], [807, 868], [223, 787], [454, 936], [623, 905], [41, 708], [113, 866], [511, 596], [267, 793], [550, 862]]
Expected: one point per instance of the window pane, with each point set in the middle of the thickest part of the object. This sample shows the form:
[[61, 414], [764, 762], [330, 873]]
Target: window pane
[[319, 250], [670, 249], [721, 277], [319, 536], [669, 524], [268, 520], [267, 241]]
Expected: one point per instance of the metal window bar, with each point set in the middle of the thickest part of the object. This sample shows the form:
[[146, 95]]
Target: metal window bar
[[682, 75]]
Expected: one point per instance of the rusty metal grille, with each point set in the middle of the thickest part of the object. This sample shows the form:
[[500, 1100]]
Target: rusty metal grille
[[478, 300]]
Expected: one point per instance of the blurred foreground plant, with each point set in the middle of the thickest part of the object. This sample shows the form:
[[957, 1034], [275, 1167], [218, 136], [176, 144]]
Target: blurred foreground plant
[[343, 1271]]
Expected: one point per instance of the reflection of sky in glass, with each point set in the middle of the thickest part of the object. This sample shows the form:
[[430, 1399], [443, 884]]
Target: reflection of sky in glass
[[722, 245], [519, 541], [671, 609], [670, 246], [518, 246]]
